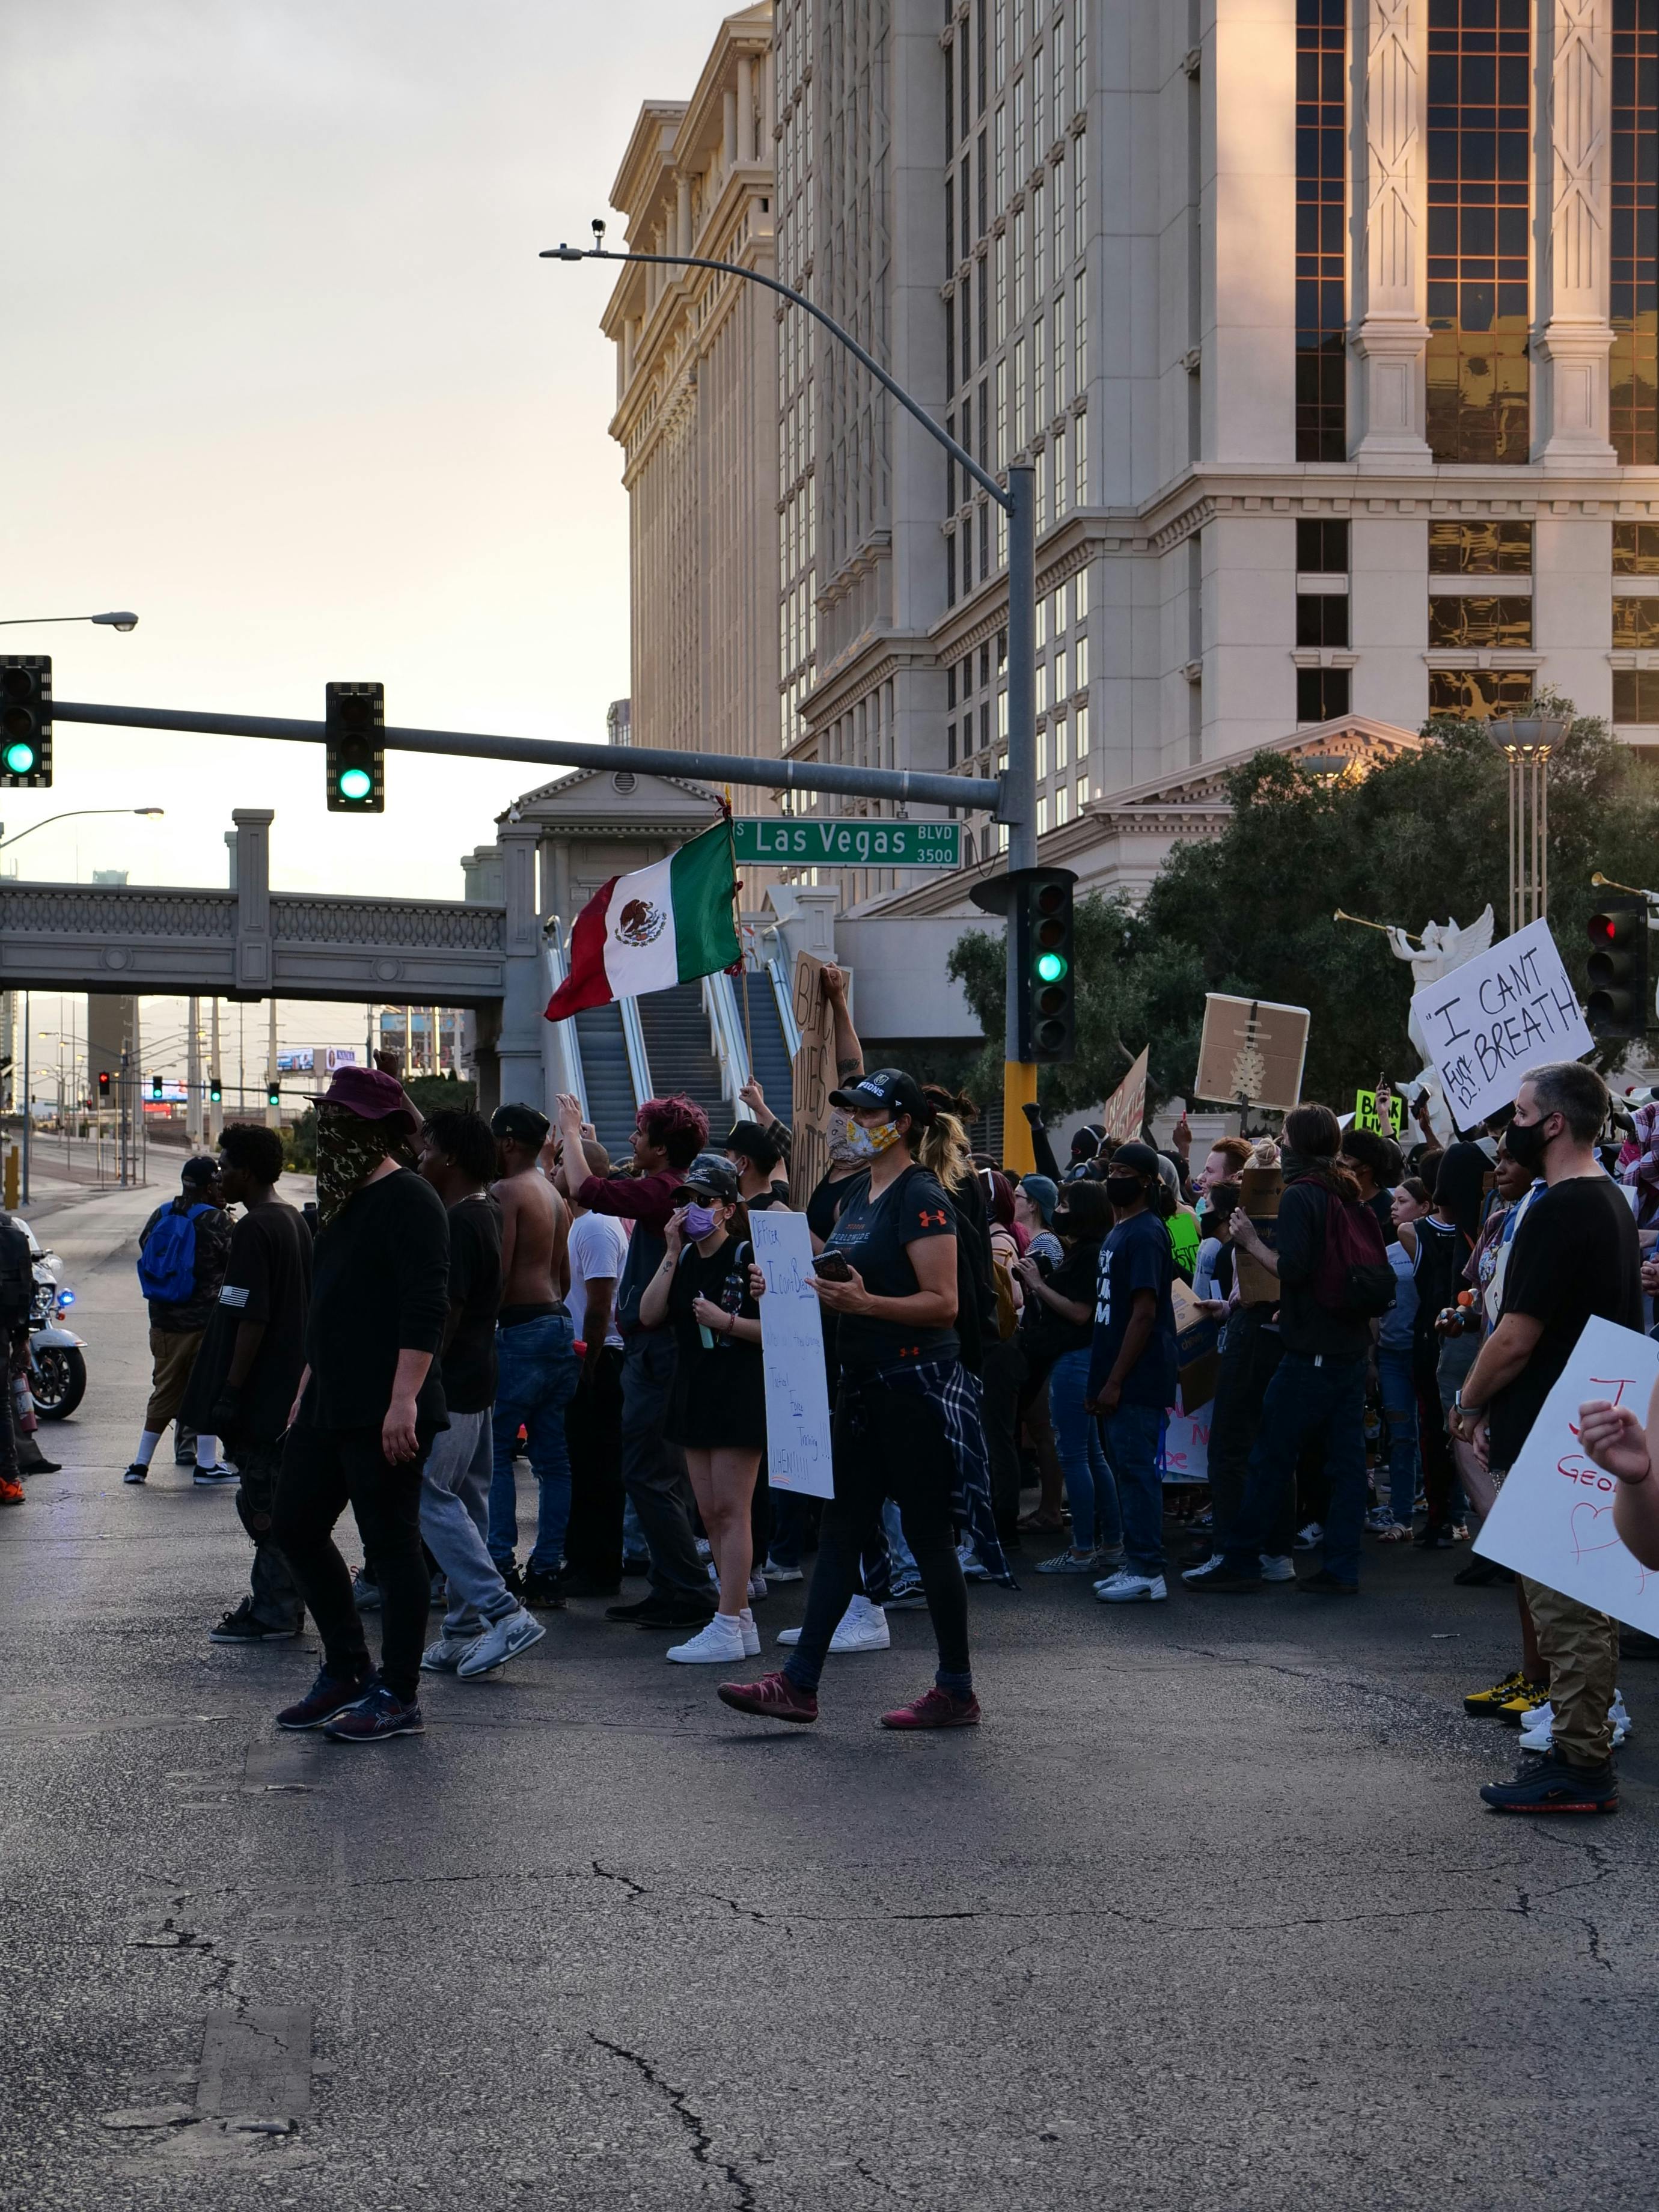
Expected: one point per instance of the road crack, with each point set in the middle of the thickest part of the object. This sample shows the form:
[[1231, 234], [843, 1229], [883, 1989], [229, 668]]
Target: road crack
[[702, 2143]]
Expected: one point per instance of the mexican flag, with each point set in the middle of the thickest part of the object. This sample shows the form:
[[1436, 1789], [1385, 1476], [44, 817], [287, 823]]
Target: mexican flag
[[663, 925]]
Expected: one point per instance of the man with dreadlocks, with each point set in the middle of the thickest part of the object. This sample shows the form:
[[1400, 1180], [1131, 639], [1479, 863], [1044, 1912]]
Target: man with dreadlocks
[[368, 1406]]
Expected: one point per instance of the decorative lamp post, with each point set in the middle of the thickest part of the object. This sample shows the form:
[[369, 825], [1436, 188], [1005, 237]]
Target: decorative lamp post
[[1526, 741]]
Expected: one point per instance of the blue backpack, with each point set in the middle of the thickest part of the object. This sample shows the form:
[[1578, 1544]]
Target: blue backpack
[[166, 1265]]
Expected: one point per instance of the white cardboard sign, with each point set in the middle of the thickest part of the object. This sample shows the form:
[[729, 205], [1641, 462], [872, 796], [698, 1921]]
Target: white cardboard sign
[[1186, 1450], [1498, 1015], [791, 1355], [1554, 1517]]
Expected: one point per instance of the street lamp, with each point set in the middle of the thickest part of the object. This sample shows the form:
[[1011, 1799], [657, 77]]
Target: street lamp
[[70, 813], [1526, 741], [1018, 806], [121, 621]]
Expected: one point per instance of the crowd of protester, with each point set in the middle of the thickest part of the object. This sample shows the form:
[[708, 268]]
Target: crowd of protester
[[1371, 1332]]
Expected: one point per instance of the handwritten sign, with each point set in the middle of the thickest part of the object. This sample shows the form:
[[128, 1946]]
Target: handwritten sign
[[1184, 1456], [1366, 1116], [792, 1357], [812, 1079], [1498, 1015], [1554, 1517], [1126, 1110]]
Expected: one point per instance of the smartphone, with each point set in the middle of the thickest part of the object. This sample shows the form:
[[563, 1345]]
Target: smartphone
[[832, 1267]]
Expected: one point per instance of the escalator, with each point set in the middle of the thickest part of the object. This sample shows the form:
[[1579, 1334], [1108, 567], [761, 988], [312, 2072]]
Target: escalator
[[768, 1052], [678, 1051], [606, 1079]]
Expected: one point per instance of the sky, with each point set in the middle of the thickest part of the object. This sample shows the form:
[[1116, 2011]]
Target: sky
[[282, 373]]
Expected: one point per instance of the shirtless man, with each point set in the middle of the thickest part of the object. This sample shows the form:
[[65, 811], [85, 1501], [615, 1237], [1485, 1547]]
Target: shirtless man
[[536, 1351]]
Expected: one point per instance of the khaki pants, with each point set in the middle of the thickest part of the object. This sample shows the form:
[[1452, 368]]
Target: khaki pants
[[171, 1358], [1582, 1649]]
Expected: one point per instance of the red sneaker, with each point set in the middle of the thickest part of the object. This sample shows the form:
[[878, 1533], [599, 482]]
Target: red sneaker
[[774, 1697], [935, 1708], [11, 1493]]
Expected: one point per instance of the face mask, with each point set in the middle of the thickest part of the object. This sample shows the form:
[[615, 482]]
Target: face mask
[[864, 1144], [838, 1130], [1525, 1143], [699, 1220], [1124, 1190], [1294, 1164]]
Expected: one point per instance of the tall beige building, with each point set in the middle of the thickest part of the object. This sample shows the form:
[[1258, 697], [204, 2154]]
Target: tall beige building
[[696, 407]]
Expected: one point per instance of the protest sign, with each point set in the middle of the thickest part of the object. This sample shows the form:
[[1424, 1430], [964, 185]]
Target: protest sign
[[1366, 1116], [1197, 1336], [1554, 1517], [1498, 1015], [1125, 1111], [1184, 1454], [1252, 1048], [791, 1355], [1260, 1191], [814, 1079]]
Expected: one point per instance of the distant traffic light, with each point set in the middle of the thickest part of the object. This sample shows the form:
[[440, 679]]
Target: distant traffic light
[[356, 765], [215, 1091], [273, 1092], [155, 1086], [1046, 1008], [1618, 970], [103, 1086], [25, 721]]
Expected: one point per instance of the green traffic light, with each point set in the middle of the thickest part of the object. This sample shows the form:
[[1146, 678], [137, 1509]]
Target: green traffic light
[[20, 759], [355, 783], [1050, 967]]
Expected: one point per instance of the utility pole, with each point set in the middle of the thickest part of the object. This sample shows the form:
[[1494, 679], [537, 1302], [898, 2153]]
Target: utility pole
[[215, 1109], [193, 1077], [1018, 501], [273, 1114]]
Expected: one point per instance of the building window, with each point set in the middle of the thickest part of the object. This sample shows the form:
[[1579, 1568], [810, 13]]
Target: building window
[[1060, 319], [1321, 413], [1635, 624], [951, 744], [984, 539], [1039, 118], [1001, 61], [1000, 142], [1633, 366], [1042, 816], [1002, 415], [984, 190], [1478, 168], [1080, 740], [1321, 618], [1039, 245], [985, 723], [1473, 694], [1080, 655], [1019, 131], [1039, 372], [1321, 547], [949, 227], [1082, 793], [1041, 749], [1062, 691], [1468, 621], [1636, 548], [1635, 695], [1042, 692], [1062, 807], [966, 534], [1079, 194], [1321, 694], [1079, 332], [1062, 474], [1080, 460], [951, 571], [1480, 549], [1002, 286], [1019, 395]]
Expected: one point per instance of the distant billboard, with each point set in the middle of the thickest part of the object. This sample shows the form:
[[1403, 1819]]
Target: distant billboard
[[313, 1059]]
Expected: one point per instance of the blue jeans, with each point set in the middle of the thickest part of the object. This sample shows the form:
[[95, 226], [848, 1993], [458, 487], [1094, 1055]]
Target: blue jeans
[[1394, 1372], [1304, 1394], [457, 1475], [537, 1382], [1132, 1434], [1096, 1523]]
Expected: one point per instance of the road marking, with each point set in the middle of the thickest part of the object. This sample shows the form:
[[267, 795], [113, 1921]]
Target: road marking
[[255, 2061]]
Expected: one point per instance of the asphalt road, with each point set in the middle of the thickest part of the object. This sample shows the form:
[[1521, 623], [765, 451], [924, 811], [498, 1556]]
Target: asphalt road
[[1206, 1915]]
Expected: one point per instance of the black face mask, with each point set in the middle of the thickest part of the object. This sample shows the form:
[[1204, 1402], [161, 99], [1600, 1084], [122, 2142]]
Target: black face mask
[[1124, 1190], [1525, 1143], [1295, 1164]]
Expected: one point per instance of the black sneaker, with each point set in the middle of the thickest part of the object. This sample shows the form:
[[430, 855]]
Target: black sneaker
[[38, 1465], [214, 1478], [1431, 1538], [1326, 1584], [633, 1607], [241, 1627], [135, 1473], [675, 1612], [512, 1574], [1547, 1782], [325, 1698], [541, 1593], [1224, 1583]]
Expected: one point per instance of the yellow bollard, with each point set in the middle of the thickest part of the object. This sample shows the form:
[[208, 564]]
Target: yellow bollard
[[1019, 1089]]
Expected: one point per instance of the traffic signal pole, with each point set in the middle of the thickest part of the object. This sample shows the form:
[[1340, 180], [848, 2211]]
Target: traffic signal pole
[[1019, 1076]]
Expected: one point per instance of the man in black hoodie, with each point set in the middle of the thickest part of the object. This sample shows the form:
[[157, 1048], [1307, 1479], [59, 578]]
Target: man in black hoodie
[[1322, 1377]]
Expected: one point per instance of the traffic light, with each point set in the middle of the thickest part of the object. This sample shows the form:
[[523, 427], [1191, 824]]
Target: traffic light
[[1618, 970], [273, 1092], [215, 1091], [356, 765], [1046, 1010], [155, 1086], [26, 721], [103, 1086]]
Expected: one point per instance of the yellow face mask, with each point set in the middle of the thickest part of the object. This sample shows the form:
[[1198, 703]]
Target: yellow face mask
[[869, 1143]]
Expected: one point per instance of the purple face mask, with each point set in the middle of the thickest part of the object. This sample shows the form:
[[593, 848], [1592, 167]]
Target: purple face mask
[[699, 1220]]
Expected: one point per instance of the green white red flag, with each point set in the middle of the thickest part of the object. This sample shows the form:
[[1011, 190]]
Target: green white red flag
[[663, 925]]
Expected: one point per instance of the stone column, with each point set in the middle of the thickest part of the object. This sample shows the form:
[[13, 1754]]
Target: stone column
[[1390, 181], [251, 864], [682, 215], [518, 1050], [1571, 344], [745, 108]]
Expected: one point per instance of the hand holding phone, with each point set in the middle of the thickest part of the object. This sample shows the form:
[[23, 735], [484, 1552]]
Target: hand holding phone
[[832, 1267]]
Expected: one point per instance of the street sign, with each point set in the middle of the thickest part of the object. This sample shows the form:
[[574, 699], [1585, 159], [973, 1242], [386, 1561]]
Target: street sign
[[848, 843]]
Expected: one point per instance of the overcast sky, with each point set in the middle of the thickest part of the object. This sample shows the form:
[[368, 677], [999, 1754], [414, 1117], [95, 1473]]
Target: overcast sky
[[281, 372]]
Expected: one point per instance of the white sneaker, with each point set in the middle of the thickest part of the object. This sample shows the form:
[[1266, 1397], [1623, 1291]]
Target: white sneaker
[[757, 1588], [1539, 1734], [1126, 1588], [717, 1645], [502, 1640], [774, 1573], [1310, 1538], [444, 1656], [1278, 1567], [751, 1634], [1206, 1570], [862, 1627]]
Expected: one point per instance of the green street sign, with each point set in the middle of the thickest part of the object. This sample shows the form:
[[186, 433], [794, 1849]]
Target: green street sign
[[858, 844]]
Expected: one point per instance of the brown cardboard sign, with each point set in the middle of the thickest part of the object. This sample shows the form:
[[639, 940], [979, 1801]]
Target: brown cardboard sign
[[1252, 1048], [814, 1080], [1260, 1189]]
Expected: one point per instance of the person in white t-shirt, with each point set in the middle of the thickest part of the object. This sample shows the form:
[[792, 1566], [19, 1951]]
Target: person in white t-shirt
[[593, 1542]]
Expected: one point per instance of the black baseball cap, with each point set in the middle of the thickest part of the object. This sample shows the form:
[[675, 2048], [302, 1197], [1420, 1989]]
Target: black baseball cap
[[714, 1173], [523, 1123], [1136, 1158], [883, 1086], [202, 1169]]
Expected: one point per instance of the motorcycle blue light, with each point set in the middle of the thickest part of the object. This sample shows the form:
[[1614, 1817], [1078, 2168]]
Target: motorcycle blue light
[[66, 1297]]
